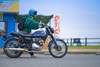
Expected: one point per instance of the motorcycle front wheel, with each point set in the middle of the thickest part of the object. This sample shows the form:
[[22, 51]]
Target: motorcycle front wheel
[[59, 51], [10, 44]]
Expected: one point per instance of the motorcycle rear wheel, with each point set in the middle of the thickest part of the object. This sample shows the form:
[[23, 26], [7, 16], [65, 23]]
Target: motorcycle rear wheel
[[12, 43]]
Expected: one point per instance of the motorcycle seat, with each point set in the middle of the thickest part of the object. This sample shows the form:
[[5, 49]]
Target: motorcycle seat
[[17, 34]]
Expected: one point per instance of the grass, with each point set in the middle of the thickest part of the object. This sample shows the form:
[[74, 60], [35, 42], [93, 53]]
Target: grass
[[84, 47]]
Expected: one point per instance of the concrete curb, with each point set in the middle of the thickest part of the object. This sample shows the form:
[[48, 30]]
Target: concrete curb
[[84, 51], [70, 51], [1, 51]]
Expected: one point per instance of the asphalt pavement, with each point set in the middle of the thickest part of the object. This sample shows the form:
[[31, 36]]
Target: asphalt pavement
[[70, 60]]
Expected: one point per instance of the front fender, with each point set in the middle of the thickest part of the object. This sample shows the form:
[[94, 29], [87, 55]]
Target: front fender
[[52, 41]]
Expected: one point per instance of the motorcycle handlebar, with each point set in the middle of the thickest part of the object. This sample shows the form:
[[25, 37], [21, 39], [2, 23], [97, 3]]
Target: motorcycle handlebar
[[41, 25]]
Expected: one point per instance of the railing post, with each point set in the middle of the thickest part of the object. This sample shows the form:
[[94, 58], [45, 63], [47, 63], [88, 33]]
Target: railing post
[[85, 41], [70, 41], [67, 41]]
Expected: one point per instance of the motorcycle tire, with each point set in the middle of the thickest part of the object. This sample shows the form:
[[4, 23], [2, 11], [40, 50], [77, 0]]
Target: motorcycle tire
[[10, 44], [62, 46]]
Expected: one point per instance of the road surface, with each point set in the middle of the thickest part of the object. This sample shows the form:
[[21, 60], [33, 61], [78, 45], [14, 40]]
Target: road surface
[[70, 60]]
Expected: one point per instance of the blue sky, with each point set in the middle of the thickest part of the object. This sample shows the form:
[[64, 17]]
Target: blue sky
[[78, 18]]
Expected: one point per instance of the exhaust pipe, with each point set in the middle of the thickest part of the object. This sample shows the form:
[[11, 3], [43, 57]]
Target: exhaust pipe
[[21, 49], [16, 49]]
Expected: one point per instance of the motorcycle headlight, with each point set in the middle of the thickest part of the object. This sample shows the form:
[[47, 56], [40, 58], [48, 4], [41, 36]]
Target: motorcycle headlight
[[52, 30]]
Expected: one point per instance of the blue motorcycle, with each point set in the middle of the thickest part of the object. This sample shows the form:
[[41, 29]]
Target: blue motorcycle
[[19, 43]]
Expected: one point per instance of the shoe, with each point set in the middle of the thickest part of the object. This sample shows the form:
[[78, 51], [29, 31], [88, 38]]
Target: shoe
[[34, 45], [31, 53]]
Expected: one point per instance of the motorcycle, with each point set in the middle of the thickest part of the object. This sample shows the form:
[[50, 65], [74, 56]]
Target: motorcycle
[[19, 42]]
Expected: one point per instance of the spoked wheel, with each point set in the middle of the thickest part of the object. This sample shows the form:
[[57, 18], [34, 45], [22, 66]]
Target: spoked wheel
[[59, 51], [9, 45]]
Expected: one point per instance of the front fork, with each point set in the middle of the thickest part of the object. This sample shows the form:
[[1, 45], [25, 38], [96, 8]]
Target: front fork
[[54, 40]]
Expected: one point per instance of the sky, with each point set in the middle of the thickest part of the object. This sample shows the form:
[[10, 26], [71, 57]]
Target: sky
[[78, 18]]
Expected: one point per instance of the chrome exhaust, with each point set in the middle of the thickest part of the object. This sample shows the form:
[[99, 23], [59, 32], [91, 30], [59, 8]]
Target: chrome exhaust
[[16, 49], [21, 49]]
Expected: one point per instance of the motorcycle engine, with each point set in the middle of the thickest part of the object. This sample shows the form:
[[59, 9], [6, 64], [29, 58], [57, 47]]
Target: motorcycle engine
[[38, 41]]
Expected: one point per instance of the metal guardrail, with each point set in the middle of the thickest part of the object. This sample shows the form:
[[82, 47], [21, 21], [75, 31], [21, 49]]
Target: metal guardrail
[[82, 41]]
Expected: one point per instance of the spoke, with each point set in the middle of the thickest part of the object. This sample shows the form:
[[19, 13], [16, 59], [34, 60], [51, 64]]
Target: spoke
[[11, 45], [60, 50]]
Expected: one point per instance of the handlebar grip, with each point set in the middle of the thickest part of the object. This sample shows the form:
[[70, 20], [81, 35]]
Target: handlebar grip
[[41, 25]]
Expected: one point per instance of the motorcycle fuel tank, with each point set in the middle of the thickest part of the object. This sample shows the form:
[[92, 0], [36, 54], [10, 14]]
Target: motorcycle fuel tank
[[39, 34]]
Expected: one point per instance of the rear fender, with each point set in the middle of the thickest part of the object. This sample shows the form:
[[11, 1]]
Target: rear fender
[[7, 37]]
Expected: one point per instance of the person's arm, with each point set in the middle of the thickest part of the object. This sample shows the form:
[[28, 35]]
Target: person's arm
[[33, 24]]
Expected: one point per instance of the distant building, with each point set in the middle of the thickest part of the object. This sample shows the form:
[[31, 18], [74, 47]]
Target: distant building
[[7, 17]]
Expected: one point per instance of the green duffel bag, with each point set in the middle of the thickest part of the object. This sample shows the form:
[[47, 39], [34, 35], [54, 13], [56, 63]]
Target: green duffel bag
[[45, 18]]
